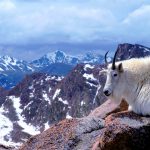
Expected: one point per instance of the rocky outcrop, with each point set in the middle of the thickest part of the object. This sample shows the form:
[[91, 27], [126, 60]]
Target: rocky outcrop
[[72, 134], [127, 51], [26, 109], [41, 100], [68, 134], [124, 131], [121, 131], [83, 89]]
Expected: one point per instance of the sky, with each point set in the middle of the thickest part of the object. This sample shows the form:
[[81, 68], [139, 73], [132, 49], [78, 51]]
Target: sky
[[31, 28]]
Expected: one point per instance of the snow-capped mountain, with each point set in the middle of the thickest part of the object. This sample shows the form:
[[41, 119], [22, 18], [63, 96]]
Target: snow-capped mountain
[[61, 57], [55, 57], [9, 64], [93, 58], [60, 63], [12, 71]]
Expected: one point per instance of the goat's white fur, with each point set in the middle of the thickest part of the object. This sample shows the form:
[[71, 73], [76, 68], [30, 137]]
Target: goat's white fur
[[135, 85]]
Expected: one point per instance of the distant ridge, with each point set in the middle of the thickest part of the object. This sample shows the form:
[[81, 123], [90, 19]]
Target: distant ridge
[[12, 70]]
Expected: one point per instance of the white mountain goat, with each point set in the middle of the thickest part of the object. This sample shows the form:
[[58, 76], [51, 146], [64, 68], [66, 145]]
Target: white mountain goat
[[129, 80]]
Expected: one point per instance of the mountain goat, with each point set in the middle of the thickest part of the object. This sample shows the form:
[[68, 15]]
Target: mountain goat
[[129, 80]]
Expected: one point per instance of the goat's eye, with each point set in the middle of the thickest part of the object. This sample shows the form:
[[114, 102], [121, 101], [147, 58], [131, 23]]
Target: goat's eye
[[115, 74]]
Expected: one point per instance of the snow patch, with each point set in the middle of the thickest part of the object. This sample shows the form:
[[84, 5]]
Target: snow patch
[[97, 91], [88, 66], [5, 128], [46, 126], [28, 128], [49, 89], [59, 78], [63, 101], [89, 76], [28, 104], [31, 87], [82, 103], [46, 97], [30, 68], [41, 82], [47, 78], [68, 116], [91, 84], [1, 69], [31, 95], [56, 93], [145, 49]]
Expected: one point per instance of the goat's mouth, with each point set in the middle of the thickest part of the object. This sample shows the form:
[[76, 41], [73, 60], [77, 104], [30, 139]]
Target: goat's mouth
[[108, 95]]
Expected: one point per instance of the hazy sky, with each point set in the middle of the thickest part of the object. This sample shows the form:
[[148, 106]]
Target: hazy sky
[[30, 28]]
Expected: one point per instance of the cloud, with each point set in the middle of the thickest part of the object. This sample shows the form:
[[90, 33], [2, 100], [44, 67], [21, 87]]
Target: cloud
[[138, 15], [137, 23], [52, 22], [59, 21], [6, 5]]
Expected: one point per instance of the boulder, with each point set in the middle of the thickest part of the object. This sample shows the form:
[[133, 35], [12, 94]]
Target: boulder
[[124, 131], [69, 134], [100, 130]]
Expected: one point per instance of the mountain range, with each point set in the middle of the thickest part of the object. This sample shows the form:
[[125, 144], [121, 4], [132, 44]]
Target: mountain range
[[57, 63], [41, 99]]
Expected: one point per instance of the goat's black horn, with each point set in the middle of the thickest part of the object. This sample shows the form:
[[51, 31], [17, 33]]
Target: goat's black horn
[[114, 60], [106, 62]]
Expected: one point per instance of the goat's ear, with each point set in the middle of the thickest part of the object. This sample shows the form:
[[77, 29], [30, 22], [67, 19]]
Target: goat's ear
[[120, 67], [102, 72]]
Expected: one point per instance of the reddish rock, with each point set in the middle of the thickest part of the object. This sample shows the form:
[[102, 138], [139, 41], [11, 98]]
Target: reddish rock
[[68, 135], [124, 131], [120, 131], [59, 133]]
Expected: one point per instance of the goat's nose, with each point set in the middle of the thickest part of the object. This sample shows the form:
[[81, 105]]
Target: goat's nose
[[107, 92]]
